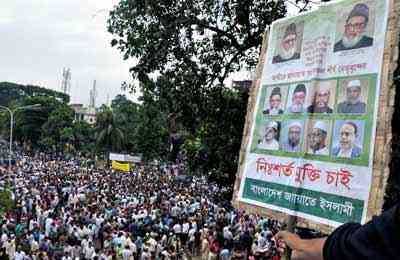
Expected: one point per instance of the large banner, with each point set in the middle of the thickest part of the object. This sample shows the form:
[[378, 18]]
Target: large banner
[[312, 138]]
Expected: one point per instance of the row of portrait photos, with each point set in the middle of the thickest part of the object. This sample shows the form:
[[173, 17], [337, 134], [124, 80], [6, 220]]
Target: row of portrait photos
[[336, 138], [355, 30], [317, 97]]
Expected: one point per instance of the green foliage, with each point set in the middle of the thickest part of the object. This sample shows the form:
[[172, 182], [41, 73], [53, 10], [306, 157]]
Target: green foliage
[[29, 122], [59, 125], [152, 139], [129, 119], [216, 144], [84, 137], [11, 92], [171, 36], [6, 203], [193, 46], [110, 136]]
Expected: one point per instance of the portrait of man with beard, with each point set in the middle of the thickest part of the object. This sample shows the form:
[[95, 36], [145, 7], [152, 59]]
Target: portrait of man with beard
[[321, 101], [353, 103], [288, 48], [354, 36], [298, 100], [318, 139], [293, 137]]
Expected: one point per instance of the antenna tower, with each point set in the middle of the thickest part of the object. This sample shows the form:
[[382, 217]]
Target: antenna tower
[[93, 95], [66, 81]]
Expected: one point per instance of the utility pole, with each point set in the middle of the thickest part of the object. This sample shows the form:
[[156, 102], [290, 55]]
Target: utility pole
[[12, 112]]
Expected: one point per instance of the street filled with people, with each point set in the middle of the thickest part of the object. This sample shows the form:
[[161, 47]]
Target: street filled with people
[[64, 210]]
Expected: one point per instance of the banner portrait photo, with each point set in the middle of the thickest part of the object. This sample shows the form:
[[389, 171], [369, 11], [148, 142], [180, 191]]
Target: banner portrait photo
[[310, 151]]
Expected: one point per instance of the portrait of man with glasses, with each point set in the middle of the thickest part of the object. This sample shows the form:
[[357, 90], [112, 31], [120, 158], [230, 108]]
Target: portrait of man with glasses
[[290, 45], [355, 36]]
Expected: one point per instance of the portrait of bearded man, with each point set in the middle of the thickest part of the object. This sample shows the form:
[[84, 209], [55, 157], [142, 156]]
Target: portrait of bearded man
[[293, 137], [353, 104], [288, 48], [317, 139], [298, 100], [354, 36], [321, 101]]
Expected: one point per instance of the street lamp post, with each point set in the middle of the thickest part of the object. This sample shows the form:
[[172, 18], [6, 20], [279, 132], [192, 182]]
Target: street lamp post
[[11, 112]]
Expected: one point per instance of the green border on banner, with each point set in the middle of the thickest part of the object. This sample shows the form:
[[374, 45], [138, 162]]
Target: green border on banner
[[332, 207], [367, 117]]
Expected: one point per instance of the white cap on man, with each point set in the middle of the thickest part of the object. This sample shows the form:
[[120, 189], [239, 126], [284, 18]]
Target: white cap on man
[[295, 124], [354, 83], [272, 124], [321, 125]]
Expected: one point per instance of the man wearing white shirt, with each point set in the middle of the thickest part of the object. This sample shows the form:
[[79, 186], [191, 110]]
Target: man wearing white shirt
[[126, 253], [318, 139], [48, 223], [89, 251], [177, 229], [270, 138], [20, 255]]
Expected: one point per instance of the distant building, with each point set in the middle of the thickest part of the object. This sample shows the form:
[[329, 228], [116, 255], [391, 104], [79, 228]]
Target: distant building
[[244, 85], [87, 114]]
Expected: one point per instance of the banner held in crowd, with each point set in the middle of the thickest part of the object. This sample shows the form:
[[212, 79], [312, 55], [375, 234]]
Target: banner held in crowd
[[310, 147]]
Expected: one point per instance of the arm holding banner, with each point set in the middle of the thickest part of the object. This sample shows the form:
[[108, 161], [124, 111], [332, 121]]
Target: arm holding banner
[[378, 239]]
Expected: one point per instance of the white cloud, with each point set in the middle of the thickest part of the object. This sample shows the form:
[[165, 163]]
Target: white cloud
[[40, 37]]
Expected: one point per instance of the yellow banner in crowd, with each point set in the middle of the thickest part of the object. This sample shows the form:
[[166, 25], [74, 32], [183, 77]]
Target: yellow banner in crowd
[[120, 166]]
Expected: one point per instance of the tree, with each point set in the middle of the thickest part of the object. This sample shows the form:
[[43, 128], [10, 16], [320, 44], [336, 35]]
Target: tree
[[11, 92], [217, 37], [28, 123], [6, 202], [152, 138], [216, 144], [58, 126], [84, 139], [193, 46], [128, 120], [110, 137]]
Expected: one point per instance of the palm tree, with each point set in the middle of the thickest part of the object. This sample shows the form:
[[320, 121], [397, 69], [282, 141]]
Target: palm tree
[[109, 134]]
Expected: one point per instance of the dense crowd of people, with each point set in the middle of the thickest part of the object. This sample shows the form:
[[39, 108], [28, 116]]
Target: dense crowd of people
[[66, 211]]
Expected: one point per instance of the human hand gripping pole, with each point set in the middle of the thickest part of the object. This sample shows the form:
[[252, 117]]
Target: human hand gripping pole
[[302, 249]]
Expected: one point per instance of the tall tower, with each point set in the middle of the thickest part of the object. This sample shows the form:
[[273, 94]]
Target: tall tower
[[66, 81], [93, 95]]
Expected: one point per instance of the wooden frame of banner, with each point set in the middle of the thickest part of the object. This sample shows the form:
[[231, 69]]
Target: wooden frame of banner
[[382, 150]]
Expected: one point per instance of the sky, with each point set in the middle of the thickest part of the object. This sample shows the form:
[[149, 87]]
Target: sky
[[41, 37]]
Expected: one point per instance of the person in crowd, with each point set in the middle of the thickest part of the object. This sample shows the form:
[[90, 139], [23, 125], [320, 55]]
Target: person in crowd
[[65, 212]]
